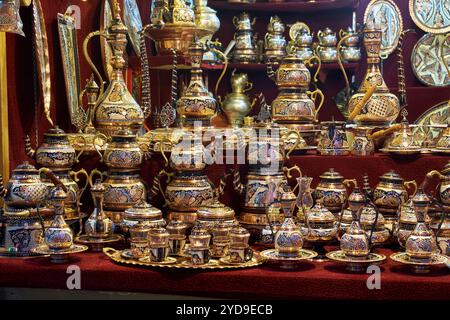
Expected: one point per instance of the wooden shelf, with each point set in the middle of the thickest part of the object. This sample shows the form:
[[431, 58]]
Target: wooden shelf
[[298, 7], [165, 63]]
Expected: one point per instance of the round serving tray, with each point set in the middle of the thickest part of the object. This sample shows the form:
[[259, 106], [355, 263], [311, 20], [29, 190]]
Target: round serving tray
[[182, 263], [355, 265], [427, 60], [431, 16]]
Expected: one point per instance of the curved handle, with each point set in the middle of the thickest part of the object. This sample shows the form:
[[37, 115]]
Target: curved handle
[[83, 148], [309, 63], [269, 69], [297, 142], [320, 34], [89, 60], [94, 173], [161, 149], [288, 174], [348, 182], [341, 64], [98, 147], [29, 151], [225, 68], [248, 87], [110, 252], [74, 175], [145, 148], [412, 183], [313, 95], [235, 21], [341, 33], [157, 184]]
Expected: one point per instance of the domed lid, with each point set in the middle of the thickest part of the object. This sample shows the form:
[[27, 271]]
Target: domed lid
[[327, 30], [239, 231], [126, 133], [331, 174], [319, 213], [347, 217], [57, 194], [391, 176], [177, 227], [143, 211], [446, 170], [421, 199], [55, 132], [25, 168], [98, 187], [215, 210]]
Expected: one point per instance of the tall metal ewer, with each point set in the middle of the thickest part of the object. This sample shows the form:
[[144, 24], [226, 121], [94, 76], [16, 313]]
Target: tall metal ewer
[[383, 107]]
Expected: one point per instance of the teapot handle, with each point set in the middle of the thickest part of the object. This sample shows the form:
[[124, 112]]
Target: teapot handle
[[309, 63], [248, 87], [341, 33], [341, 64], [161, 149], [412, 183], [97, 146], [83, 148], [145, 148], [235, 21], [74, 175], [157, 188], [288, 174], [297, 142], [348, 182], [94, 173], [313, 95], [89, 60]]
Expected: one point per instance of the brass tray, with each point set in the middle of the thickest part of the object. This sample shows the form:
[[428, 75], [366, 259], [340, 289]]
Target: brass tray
[[437, 115], [431, 16], [402, 152], [42, 56], [356, 265], [133, 21], [182, 263], [296, 28], [385, 15], [427, 60]]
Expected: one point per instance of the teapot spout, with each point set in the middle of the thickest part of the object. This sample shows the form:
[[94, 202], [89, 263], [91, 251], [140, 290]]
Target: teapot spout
[[29, 151], [435, 173]]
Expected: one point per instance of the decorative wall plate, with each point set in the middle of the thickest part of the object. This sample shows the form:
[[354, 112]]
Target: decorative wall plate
[[431, 16], [385, 15], [71, 66], [106, 50], [296, 28], [133, 21], [42, 56], [427, 60], [434, 120]]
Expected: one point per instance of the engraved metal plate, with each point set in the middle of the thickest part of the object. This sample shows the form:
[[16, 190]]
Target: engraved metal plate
[[296, 28], [431, 15], [386, 16], [70, 59], [133, 21], [427, 61]]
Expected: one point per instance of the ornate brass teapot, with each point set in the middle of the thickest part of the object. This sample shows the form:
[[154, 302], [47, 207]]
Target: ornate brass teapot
[[390, 193], [215, 213], [123, 153], [332, 189], [297, 106], [274, 41], [326, 50], [116, 108], [444, 186], [245, 49], [349, 45], [302, 44], [236, 104], [206, 19], [383, 107], [243, 22], [24, 190], [55, 152]]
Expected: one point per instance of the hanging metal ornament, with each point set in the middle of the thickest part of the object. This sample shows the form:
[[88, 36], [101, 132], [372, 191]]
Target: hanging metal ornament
[[385, 16]]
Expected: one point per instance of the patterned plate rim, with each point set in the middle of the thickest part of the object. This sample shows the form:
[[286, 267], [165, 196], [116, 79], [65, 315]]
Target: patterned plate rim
[[422, 26], [75, 248], [440, 259], [310, 254], [378, 258]]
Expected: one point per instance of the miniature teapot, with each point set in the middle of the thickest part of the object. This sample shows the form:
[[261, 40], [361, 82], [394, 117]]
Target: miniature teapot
[[98, 225], [58, 236], [243, 23]]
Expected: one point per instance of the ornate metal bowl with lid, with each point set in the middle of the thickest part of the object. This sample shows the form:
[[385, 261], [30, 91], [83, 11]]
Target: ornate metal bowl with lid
[[321, 224], [142, 214], [211, 214]]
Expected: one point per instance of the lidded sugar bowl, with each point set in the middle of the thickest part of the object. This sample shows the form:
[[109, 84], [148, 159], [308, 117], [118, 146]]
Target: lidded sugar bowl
[[24, 189], [380, 233], [321, 224], [239, 234], [209, 215], [58, 236], [199, 238]]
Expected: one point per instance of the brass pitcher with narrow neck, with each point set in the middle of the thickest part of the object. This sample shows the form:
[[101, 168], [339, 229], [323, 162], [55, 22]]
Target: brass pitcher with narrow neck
[[116, 108], [383, 107]]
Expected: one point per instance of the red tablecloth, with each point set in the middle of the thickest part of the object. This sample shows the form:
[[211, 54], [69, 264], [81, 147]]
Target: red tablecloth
[[324, 280]]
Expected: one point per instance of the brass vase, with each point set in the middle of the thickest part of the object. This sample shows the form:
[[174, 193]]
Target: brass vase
[[58, 236]]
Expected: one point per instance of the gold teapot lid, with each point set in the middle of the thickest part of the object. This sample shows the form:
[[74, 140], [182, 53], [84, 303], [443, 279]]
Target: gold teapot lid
[[55, 132], [143, 211], [125, 133], [215, 210], [391, 176], [331, 174], [239, 231], [319, 213], [57, 194], [177, 227], [403, 139], [25, 168]]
